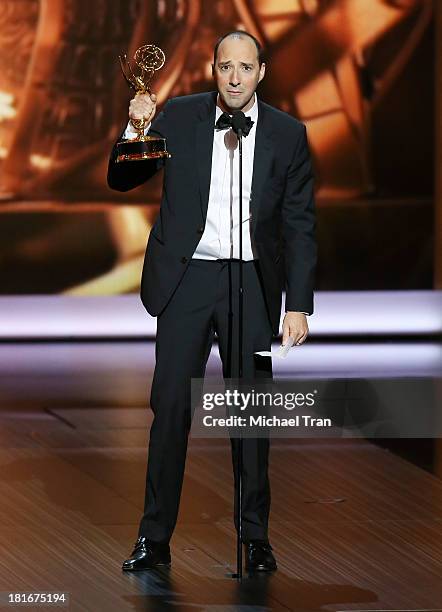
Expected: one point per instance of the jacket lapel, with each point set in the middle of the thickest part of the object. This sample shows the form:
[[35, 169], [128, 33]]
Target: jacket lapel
[[262, 161], [204, 145]]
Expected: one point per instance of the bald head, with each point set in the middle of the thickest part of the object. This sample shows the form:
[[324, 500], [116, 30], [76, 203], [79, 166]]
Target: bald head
[[238, 34]]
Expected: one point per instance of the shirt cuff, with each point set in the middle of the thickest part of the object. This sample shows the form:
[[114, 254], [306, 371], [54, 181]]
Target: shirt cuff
[[306, 313], [130, 132]]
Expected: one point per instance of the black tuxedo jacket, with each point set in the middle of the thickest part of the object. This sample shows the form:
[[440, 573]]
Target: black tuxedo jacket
[[282, 202]]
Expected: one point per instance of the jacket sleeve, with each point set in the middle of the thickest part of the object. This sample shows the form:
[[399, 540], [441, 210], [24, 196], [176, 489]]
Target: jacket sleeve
[[127, 175], [299, 230]]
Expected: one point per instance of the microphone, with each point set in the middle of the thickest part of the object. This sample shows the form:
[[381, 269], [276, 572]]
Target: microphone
[[238, 122]]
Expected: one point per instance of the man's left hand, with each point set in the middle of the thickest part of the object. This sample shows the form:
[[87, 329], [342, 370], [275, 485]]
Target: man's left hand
[[295, 325]]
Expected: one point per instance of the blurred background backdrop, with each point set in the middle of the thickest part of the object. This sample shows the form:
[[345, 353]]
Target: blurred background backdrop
[[359, 73]]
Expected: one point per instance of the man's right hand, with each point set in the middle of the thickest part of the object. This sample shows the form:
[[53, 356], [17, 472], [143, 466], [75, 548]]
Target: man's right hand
[[143, 106]]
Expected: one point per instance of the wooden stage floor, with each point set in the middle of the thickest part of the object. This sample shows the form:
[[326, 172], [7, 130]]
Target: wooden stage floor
[[353, 526]]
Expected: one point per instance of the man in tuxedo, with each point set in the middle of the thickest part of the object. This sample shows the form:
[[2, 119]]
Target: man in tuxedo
[[191, 270]]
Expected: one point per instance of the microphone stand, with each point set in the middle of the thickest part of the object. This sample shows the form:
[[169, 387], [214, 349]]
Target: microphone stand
[[239, 467]]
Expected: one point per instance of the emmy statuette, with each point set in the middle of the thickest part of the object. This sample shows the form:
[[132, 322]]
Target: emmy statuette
[[149, 59]]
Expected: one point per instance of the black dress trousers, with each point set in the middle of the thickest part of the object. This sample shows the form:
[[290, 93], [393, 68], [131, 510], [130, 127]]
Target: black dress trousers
[[206, 301]]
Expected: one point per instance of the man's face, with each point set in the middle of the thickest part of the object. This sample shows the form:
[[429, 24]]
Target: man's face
[[237, 72]]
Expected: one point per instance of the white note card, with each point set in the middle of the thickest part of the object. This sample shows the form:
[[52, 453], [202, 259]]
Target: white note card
[[280, 353]]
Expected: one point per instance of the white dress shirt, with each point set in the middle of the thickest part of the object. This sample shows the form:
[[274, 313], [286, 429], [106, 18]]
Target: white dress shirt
[[220, 239]]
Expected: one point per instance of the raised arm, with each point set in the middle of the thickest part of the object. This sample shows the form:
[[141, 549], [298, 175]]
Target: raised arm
[[124, 176]]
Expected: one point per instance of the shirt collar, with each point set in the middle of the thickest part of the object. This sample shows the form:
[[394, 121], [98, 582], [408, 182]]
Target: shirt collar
[[252, 113]]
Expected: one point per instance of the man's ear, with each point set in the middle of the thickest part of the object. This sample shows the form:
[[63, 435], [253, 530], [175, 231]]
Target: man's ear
[[262, 71], [213, 69]]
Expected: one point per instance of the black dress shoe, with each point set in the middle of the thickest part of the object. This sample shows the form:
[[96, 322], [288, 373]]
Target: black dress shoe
[[259, 556], [147, 555]]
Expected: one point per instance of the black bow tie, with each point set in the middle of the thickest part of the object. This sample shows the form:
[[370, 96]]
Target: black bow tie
[[225, 122]]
